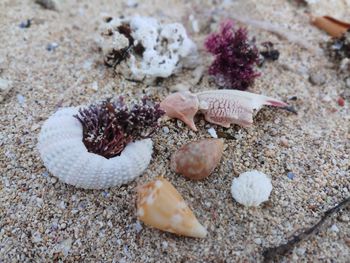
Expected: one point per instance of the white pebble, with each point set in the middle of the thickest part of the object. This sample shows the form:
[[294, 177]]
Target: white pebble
[[36, 237], [300, 251], [87, 64], [165, 130], [39, 202], [165, 245], [194, 22], [94, 86], [344, 218], [212, 133], [53, 180], [326, 98], [21, 99], [334, 228], [62, 205], [138, 227], [131, 3], [257, 241]]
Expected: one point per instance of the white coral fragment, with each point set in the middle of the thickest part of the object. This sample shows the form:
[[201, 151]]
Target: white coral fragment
[[64, 154], [251, 188], [141, 48]]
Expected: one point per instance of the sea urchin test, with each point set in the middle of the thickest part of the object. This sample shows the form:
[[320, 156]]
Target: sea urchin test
[[100, 146]]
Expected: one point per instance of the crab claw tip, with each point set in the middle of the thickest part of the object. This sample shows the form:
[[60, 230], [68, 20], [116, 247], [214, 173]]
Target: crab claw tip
[[182, 106]]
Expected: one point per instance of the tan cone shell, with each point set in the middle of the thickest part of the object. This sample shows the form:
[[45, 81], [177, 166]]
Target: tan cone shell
[[161, 206]]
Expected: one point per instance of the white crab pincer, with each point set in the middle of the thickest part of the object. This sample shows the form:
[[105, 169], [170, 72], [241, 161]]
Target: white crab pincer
[[251, 188], [62, 145], [221, 107]]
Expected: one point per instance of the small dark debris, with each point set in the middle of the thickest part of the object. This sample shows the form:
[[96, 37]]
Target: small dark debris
[[139, 49], [47, 4], [125, 30], [269, 53], [108, 19], [25, 24], [290, 108], [300, 2], [115, 57], [339, 48], [225, 135], [293, 98]]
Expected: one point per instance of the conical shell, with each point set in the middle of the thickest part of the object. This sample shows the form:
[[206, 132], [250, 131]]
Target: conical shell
[[161, 206], [64, 154], [197, 160]]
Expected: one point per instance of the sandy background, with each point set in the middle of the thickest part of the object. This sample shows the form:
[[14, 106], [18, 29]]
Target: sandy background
[[42, 219]]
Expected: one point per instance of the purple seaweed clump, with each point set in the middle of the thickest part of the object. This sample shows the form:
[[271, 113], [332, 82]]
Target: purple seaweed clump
[[235, 57], [109, 126]]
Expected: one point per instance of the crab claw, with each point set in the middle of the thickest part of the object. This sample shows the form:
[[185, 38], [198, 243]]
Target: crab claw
[[224, 107], [182, 106]]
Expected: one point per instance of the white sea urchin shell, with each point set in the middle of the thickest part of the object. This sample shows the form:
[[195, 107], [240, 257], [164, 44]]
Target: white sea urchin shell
[[64, 154], [251, 188]]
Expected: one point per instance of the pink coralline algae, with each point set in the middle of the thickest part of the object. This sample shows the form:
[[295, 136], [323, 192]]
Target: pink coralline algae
[[109, 126], [235, 57]]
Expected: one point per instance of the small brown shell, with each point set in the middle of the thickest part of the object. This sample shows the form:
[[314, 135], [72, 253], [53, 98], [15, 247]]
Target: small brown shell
[[197, 160]]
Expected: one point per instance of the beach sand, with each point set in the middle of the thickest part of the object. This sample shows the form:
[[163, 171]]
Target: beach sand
[[44, 220]]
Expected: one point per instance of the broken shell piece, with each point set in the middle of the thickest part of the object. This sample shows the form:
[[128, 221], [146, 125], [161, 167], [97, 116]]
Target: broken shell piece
[[332, 26], [161, 206], [221, 107], [197, 160], [251, 188]]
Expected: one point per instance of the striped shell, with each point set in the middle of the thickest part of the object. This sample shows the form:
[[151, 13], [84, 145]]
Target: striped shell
[[64, 154]]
